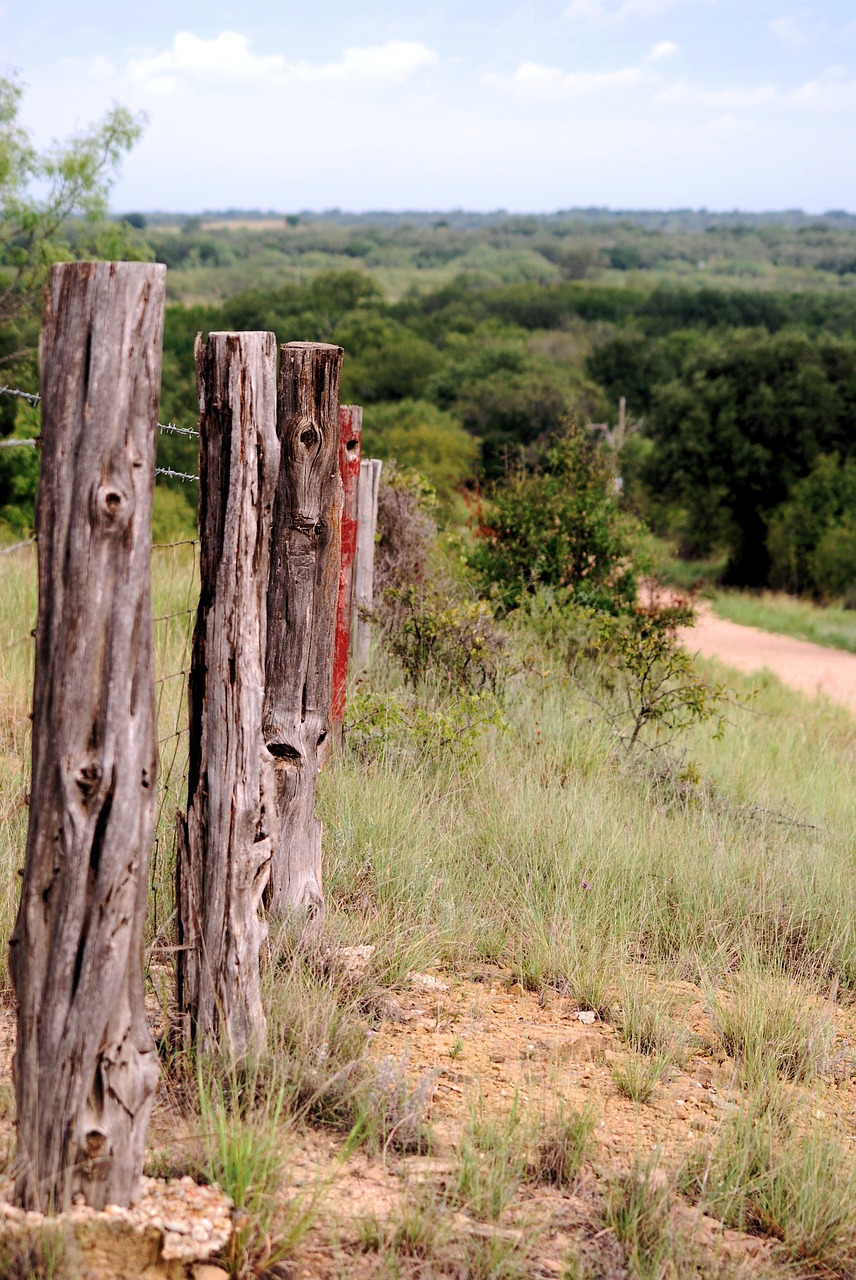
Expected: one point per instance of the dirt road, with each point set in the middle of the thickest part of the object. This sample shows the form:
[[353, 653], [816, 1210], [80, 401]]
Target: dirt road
[[811, 668]]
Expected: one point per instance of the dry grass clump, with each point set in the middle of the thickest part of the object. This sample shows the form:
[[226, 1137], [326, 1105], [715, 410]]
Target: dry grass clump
[[771, 1026], [562, 1144], [767, 1175], [638, 1076]]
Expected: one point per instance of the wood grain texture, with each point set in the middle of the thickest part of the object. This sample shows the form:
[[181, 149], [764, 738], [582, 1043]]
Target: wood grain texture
[[350, 448], [363, 590], [85, 1063], [226, 840], [302, 598]]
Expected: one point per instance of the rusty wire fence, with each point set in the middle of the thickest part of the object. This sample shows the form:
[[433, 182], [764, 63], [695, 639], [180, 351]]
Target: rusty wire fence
[[175, 592]]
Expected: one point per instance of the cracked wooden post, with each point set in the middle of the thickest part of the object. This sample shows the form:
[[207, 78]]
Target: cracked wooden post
[[350, 441], [302, 597], [85, 1063], [224, 846], [363, 593]]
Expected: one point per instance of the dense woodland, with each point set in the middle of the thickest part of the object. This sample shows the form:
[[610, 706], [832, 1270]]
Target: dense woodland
[[473, 340]]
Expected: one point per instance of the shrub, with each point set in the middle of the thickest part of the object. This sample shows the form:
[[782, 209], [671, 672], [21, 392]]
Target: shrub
[[431, 626], [660, 689], [559, 526], [418, 434], [812, 536]]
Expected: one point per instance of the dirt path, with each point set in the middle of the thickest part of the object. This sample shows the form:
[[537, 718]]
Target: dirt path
[[810, 668]]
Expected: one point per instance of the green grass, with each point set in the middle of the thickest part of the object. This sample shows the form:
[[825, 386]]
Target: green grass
[[535, 847], [830, 625]]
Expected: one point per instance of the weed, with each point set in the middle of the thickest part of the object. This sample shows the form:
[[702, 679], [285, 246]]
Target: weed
[[647, 1023], [317, 1047], [562, 1146], [393, 1112], [491, 1164], [797, 1187], [770, 1027], [245, 1156], [638, 1076], [637, 1211], [496, 1257], [43, 1253]]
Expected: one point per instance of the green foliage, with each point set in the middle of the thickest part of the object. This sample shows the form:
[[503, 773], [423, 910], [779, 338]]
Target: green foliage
[[246, 1157], [770, 1029], [173, 516], [417, 434], [563, 1144], [812, 536], [559, 527], [40, 191], [39, 1253], [431, 633], [19, 473], [398, 725], [661, 694], [744, 419], [765, 1176], [637, 1211]]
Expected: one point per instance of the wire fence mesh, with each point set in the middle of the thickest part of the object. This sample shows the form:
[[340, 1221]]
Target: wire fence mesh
[[175, 592]]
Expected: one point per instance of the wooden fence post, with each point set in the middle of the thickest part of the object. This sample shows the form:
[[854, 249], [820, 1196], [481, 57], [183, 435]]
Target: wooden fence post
[[225, 841], [302, 596], [363, 594], [85, 1063], [350, 441]]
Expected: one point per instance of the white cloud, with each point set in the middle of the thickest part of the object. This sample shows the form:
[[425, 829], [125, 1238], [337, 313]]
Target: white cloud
[[664, 49], [390, 62], [534, 80], [227, 59], [832, 92], [618, 11], [101, 68], [692, 95], [788, 30]]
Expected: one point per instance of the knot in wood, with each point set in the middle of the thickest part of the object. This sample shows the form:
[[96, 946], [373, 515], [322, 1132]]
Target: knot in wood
[[302, 524], [112, 506], [94, 1144], [88, 778]]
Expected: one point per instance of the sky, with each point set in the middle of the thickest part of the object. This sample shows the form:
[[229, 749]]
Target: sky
[[475, 104]]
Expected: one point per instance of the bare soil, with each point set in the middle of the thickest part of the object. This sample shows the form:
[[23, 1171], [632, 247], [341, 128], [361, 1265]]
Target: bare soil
[[485, 1042], [810, 668]]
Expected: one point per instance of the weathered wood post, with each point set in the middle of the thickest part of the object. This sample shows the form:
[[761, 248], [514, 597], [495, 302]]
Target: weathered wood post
[[225, 843], [302, 597], [85, 1063], [363, 594], [350, 441]]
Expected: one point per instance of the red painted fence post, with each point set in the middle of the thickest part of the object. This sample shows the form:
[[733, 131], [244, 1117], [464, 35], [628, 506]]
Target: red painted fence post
[[350, 443]]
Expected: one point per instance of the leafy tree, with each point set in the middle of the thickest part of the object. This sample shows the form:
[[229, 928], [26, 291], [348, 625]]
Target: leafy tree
[[418, 434], [743, 420], [812, 537], [561, 527], [39, 193]]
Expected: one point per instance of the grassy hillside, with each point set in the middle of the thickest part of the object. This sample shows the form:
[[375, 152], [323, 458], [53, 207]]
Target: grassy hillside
[[433, 1105]]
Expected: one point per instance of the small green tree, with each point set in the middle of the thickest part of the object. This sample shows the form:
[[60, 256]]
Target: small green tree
[[812, 535], [561, 527], [39, 192]]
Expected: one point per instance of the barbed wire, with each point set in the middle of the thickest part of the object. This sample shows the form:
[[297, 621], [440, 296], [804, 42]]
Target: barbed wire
[[32, 397], [17, 394]]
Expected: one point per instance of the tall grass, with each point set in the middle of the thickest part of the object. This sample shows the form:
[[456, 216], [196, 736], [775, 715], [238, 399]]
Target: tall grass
[[540, 851]]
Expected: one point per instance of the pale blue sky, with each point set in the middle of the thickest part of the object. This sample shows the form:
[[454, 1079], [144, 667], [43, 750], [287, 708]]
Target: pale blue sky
[[480, 104]]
